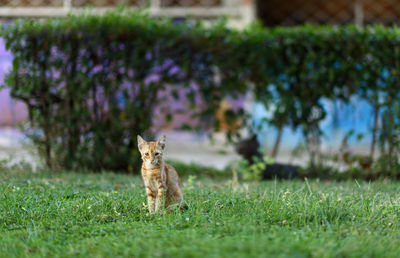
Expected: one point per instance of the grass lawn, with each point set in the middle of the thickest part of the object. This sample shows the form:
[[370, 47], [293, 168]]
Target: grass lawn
[[103, 215]]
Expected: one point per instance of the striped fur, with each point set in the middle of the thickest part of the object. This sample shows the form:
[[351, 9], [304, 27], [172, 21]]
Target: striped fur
[[163, 186]]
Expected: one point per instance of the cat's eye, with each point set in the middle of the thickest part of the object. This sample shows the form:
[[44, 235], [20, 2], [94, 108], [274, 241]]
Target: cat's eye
[[147, 154], [156, 153]]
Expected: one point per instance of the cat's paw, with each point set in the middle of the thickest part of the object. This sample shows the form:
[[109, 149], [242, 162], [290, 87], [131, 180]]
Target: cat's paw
[[161, 212]]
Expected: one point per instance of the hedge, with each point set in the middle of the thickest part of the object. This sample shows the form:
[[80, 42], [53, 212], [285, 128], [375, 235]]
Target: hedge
[[74, 73], [84, 79]]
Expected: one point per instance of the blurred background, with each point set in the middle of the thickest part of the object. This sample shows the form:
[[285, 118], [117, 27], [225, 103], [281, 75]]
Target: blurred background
[[196, 147]]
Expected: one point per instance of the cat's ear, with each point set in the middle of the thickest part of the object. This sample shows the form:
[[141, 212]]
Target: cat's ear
[[161, 142], [140, 142]]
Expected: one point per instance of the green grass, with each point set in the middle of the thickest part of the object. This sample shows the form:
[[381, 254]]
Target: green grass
[[102, 215]]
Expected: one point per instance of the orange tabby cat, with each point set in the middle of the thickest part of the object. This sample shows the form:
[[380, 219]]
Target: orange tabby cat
[[163, 186]]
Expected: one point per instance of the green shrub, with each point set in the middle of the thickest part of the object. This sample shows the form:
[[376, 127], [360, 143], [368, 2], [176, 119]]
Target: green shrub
[[83, 79], [250, 172]]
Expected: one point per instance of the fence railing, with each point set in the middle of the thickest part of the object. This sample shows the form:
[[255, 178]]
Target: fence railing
[[173, 8]]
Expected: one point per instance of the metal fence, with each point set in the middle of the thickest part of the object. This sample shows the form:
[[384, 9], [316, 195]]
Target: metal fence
[[338, 12], [30, 3], [103, 3], [240, 12], [80, 3], [175, 8]]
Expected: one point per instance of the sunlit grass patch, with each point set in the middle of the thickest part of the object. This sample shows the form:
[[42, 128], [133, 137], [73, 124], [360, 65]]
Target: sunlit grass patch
[[81, 214]]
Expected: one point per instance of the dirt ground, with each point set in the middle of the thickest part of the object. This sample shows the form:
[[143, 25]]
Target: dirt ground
[[183, 146], [14, 147]]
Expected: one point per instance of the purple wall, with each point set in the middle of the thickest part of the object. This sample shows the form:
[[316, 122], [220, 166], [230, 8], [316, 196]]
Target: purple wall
[[11, 111]]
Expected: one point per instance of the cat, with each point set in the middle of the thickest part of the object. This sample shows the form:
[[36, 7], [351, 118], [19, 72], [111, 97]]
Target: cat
[[249, 149], [163, 185]]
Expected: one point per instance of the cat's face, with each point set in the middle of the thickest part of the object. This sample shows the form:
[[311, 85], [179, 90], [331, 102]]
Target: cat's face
[[151, 152]]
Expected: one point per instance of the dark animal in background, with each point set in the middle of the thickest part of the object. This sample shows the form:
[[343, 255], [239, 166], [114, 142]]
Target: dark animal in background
[[249, 149]]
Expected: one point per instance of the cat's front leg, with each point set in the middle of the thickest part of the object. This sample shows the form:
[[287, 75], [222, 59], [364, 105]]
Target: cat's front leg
[[160, 201], [151, 198]]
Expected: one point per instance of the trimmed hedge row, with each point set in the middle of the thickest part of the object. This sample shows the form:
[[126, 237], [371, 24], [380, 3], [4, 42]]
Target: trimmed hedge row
[[92, 82], [86, 79]]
